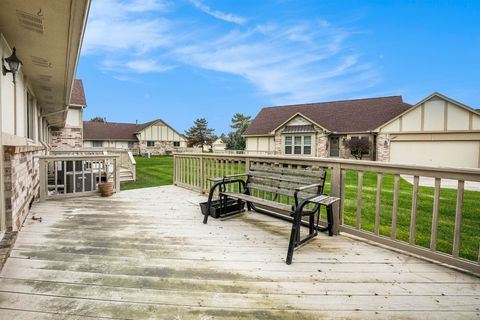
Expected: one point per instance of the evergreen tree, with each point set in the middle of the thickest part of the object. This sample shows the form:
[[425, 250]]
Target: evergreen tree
[[98, 119], [200, 134], [240, 123]]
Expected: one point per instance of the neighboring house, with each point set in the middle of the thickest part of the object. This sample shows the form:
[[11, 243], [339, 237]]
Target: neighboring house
[[155, 136], [71, 135], [219, 145], [436, 131], [48, 45], [320, 129]]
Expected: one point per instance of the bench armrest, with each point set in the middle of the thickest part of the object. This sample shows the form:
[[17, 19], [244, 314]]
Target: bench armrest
[[236, 175], [308, 187], [227, 177]]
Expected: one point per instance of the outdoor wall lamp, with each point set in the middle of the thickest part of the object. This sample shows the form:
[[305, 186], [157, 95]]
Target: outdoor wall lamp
[[14, 63]]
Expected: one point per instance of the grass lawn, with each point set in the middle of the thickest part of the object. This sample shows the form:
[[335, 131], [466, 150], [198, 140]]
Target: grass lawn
[[153, 172], [158, 171]]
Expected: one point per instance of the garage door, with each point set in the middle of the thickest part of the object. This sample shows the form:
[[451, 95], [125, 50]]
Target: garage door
[[436, 153]]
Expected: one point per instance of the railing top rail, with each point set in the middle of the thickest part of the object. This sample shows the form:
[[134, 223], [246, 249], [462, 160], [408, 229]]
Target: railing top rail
[[79, 157], [469, 174]]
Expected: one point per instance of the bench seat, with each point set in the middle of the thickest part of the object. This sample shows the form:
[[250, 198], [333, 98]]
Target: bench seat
[[248, 198]]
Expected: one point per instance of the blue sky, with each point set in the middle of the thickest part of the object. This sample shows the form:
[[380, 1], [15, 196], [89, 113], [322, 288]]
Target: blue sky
[[182, 60]]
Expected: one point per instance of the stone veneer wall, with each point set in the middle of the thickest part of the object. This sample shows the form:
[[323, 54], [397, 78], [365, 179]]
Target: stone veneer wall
[[22, 182], [383, 147], [66, 138], [322, 145], [161, 147], [278, 142]]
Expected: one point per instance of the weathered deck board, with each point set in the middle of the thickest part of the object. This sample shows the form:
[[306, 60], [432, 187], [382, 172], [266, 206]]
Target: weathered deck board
[[146, 254]]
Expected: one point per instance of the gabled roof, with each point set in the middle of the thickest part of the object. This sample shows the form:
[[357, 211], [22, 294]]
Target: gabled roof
[[78, 94], [433, 95], [93, 130], [360, 115]]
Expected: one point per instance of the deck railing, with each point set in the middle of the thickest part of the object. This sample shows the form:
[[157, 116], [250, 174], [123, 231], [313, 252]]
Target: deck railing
[[75, 175], [379, 204], [126, 160]]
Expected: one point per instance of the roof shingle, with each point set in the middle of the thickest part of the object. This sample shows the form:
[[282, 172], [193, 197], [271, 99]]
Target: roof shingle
[[344, 116], [78, 94], [93, 130]]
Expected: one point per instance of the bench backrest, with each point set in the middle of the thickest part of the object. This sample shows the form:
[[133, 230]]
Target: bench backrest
[[274, 182]]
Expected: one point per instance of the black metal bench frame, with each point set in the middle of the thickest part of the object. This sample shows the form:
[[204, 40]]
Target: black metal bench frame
[[297, 210]]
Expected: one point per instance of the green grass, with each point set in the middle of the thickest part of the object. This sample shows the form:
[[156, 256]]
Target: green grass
[[153, 172], [158, 171]]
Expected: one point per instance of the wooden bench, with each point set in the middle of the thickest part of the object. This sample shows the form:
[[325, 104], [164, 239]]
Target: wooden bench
[[269, 190]]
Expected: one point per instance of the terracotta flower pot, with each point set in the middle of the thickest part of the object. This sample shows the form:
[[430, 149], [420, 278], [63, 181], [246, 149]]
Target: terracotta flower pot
[[105, 189]]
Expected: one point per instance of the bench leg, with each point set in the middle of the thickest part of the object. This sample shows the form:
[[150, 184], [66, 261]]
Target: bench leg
[[294, 236], [330, 220]]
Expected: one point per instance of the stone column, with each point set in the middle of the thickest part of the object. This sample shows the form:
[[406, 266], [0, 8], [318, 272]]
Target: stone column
[[322, 145], [383, 147]]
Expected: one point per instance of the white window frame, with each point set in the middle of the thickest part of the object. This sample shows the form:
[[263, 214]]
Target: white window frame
[[293, 139], [150, 141]]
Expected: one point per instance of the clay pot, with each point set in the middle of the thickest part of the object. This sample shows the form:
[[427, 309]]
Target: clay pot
[[105, 189]]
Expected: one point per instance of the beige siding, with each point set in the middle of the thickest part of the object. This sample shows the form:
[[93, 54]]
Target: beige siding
[[475, 122], [434, 115], [251, 144], [411, 121], [160, 132], [457, 118], [263, 144], [298, 121], [392, 127], [438, 153], [74, 117]]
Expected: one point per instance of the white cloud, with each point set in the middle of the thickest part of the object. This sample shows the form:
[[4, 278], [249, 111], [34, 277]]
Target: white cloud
[[287, 61], [218, 14], [114, 26]]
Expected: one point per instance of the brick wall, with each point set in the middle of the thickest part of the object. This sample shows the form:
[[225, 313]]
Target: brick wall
[[22, 182], [66, 138]]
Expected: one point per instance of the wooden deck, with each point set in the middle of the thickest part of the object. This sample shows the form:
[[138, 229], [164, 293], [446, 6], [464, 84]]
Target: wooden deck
[[145, 254]]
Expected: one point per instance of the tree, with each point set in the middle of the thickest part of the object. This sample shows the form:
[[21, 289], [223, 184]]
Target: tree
[[235, 140], [358, 147], [98, 119], [200, 134]]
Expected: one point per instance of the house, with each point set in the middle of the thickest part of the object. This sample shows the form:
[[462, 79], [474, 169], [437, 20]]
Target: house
[[219, 145], [436, 131], [155, 136], [320, 129], [46, 37]]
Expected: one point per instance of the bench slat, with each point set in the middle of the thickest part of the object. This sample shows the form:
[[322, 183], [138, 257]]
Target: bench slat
[[283, 177], [300, 172], [304, 194], [278, 184], [276, 205]]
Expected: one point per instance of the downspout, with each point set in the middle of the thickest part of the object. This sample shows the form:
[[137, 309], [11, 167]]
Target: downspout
[[374, 148]]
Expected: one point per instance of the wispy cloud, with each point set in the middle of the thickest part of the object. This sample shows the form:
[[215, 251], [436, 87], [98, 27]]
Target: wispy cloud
[[218, 14], [299, 62]]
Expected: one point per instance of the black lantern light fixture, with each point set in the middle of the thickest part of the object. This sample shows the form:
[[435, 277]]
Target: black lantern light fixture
[[14, 63]]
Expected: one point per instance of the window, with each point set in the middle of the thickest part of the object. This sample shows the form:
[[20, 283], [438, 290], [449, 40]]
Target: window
[[97, 144], [307, 145], [150, 143], [30, 116], [176, 143], [298, 145], [288, 145], [130, 145]]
